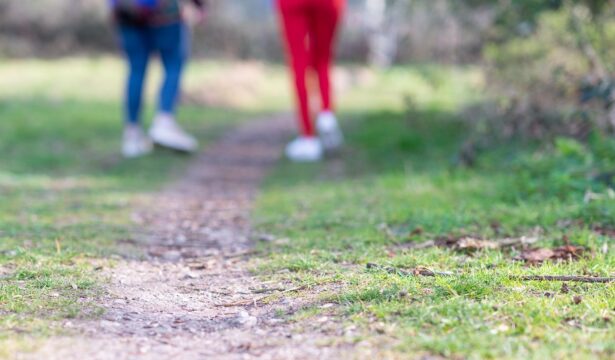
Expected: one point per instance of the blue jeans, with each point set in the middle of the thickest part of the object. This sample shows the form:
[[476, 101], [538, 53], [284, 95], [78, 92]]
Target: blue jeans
[[139, 43]]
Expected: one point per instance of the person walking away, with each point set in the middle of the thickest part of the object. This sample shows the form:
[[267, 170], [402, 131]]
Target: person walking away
[[309, 30], [146, 28]]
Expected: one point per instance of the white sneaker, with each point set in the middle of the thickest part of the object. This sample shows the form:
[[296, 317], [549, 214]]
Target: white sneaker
[[135, 143], [329, 131], [166, 132], [305, 149]]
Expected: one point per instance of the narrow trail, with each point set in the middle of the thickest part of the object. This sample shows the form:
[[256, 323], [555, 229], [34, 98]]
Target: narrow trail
[[193, 298]]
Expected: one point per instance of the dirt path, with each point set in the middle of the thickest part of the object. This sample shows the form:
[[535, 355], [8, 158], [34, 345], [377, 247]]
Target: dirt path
[[193, 298]]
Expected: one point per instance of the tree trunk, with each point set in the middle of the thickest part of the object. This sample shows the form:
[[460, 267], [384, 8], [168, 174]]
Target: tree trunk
[[383, 31]]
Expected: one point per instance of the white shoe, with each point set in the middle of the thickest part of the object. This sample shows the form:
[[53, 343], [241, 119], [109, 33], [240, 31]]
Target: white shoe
[[329, 131], [135, 143], [166, 132], [305, 149]]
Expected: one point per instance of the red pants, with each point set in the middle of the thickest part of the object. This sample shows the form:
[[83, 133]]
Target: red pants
[[309, 30]]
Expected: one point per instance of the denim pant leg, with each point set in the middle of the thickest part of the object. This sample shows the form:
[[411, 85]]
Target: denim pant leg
[[171, 42], [136, 45]]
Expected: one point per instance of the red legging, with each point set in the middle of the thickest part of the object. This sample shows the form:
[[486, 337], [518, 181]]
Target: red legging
[[309, 28]]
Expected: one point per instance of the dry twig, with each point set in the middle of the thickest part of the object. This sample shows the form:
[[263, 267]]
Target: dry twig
[[586, 279], [421, 271]]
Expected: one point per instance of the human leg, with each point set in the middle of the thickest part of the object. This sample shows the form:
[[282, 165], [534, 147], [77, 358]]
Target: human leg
[[135, 44], [171, 41], [323, 25], [295, 30]]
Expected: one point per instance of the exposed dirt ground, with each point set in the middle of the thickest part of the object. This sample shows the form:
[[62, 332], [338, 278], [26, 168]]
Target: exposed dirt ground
[[193, 297]]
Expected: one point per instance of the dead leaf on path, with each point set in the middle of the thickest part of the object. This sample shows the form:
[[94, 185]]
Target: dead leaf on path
[[203, 265]]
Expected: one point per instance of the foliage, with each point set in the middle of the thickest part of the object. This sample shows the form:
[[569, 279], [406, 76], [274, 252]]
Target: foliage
[[550, 80]]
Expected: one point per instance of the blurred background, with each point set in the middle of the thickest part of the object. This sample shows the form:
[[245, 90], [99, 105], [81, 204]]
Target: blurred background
[[537, 55], [407, 30], [546, 66], [462, 117]]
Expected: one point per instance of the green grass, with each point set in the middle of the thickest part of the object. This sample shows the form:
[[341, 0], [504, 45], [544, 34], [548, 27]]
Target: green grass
[[66, 200], [66, 196], [398, 174]]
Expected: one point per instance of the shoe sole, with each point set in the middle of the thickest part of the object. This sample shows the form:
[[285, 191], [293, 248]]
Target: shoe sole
[[174, 148], [139, 153], [168, 145], [135, 155], [304, 159]]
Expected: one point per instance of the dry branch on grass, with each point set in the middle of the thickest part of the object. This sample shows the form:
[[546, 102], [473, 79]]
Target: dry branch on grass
[[419, 271], [422, 271], [585, 279]]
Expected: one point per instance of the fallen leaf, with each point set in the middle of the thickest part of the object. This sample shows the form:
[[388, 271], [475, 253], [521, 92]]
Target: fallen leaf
[[536, 256], [568, 252], [572, 321], [604, 231], [416, 232], [423, 271], [565, 289], [427, 291]]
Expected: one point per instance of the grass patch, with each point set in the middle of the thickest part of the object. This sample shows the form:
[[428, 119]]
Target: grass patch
[[66, 200], [66, 195], [399, 173]]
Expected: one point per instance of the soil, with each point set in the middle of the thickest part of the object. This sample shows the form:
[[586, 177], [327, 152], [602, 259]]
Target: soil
[[193, 296]]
